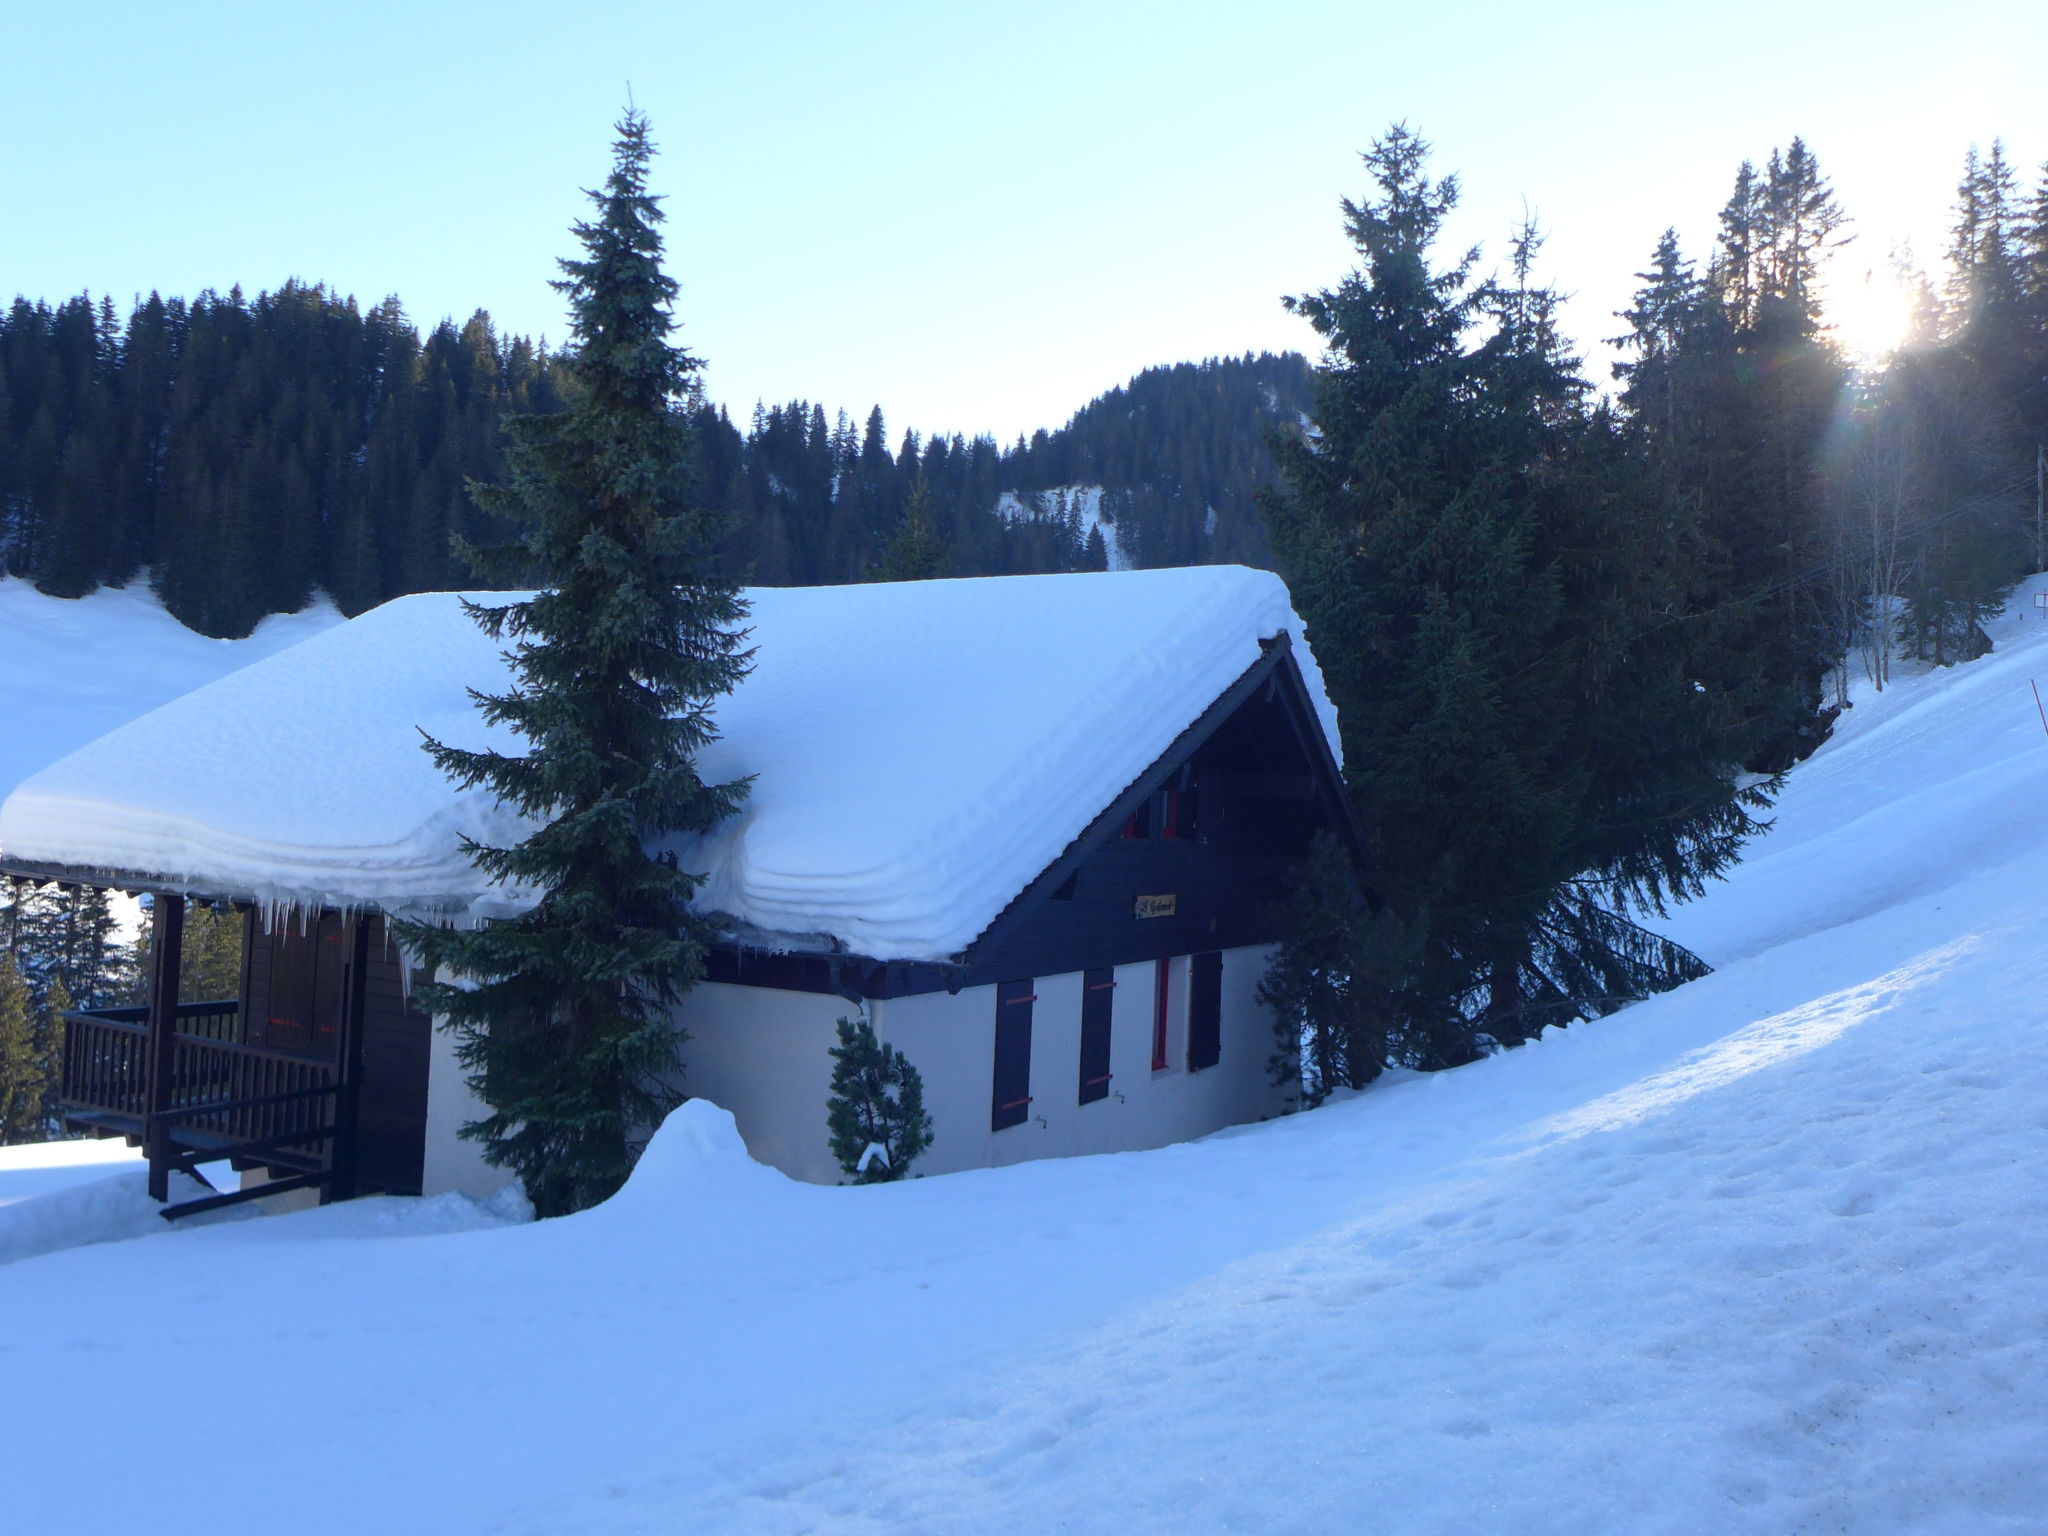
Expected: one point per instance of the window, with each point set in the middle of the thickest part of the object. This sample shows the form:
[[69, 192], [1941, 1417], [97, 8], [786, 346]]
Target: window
[[1098, 988], [1205, 1010], [1138, 825], [1010, 1102], [1162, 972]]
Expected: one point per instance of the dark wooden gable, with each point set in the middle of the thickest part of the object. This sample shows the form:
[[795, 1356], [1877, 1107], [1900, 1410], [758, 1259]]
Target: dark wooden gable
[[1197, 854]]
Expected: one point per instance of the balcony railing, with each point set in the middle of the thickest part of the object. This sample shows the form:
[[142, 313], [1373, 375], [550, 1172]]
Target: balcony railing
[[224, 1097]]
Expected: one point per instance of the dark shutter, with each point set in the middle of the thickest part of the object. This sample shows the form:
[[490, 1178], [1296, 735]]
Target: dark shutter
[[1010, 1104], [1098, 988], [1205, 1010], [1160, 974]]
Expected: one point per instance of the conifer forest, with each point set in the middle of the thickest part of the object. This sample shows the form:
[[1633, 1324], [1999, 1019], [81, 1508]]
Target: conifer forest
[[1576, 623]]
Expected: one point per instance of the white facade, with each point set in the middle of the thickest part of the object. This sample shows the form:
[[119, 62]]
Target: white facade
[[765, 1055], [451, 1161]]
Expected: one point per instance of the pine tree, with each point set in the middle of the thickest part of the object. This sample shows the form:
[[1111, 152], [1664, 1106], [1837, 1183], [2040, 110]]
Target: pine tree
[[1333, 983], [916, 552], [50, 1053], [1730, 393], [1485, 575], [210, 957], [567, 1031], [22, 1071], [877, 1101]]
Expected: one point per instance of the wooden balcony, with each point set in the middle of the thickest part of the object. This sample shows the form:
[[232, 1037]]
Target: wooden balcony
[[223, 1098], [316, 1073]]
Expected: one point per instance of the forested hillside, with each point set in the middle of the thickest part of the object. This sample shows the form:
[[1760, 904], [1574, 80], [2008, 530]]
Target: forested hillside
[[247, 453], [1575, 627]]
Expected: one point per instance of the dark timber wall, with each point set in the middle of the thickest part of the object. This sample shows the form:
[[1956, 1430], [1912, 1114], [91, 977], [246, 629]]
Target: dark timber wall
[[291, 1000], [1204, 864]]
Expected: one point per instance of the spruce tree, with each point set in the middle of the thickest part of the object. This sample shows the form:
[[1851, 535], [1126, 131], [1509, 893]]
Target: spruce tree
[[1333, 983], [567, 1026], [916, 552], [49, 1033], [1486, 576]]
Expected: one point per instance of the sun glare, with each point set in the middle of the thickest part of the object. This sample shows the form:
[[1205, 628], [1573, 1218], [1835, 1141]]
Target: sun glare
[[1869, 310]]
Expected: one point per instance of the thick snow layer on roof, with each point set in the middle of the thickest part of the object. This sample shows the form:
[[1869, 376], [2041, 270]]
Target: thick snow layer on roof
[[71, 669], [920, 752]]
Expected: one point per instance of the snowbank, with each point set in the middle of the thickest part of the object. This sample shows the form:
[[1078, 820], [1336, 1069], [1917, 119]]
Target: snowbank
[[920, 751], [696, 1161], [42, 1168], [106, 1210]]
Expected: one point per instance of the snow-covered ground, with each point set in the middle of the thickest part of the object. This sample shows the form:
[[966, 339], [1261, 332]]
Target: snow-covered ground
[[26, 1172], [1767, 1254], [76, 668]]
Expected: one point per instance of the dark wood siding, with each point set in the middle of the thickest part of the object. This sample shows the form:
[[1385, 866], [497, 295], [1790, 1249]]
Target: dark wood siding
[[288, 1005], [294, 997], [1205, 1010], [396, 1039], [1010, 1100], [1245, 806], [1098, 994]]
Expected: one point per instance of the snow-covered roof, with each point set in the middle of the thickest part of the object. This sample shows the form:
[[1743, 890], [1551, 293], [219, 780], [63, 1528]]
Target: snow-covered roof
[[920, 752]]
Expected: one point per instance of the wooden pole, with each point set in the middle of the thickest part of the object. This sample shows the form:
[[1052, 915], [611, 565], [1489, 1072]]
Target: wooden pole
[[166, 940]]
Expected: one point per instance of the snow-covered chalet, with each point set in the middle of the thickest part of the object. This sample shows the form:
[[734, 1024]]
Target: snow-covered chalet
[[1036, 827]]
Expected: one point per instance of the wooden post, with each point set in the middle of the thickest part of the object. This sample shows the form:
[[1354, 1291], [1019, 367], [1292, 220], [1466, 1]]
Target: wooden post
[[166, 940], [348, 1101]]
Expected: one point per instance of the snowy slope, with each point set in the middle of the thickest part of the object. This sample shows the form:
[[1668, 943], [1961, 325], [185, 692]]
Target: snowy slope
[[1082, 502], [73, 669], [1768, 1254]]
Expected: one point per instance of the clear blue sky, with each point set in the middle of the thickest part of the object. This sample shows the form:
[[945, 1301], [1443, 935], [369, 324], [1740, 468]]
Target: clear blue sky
[[977, 216]]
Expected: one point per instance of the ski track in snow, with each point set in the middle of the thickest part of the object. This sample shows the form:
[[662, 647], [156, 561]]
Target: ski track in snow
[[1769, 1253]]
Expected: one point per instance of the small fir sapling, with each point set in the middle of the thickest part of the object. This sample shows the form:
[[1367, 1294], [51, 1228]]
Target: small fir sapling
[[877, 1102]]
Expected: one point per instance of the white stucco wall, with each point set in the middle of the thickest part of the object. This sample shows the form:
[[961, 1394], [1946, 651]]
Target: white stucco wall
[[764, 1055], [452, 1162]]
